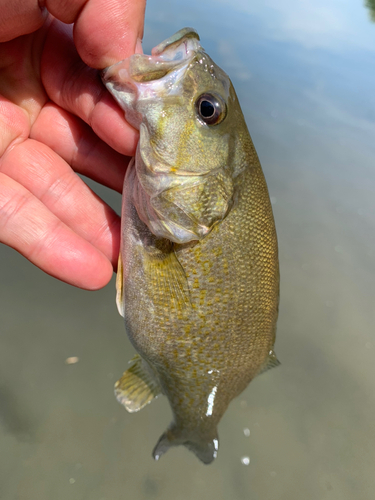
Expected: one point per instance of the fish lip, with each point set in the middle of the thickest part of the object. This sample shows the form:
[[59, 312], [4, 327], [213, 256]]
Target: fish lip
[[176, 40], [171, 55]]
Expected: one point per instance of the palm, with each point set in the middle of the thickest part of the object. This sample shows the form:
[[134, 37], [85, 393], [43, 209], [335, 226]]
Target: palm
[[46, 211]]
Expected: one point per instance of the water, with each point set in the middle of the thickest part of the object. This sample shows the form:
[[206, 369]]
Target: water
[[304, 75]]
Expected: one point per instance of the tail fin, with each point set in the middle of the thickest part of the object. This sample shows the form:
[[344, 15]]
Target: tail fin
[[204, 447]]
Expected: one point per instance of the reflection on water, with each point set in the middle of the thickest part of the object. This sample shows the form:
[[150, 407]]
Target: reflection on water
[[303, 74]]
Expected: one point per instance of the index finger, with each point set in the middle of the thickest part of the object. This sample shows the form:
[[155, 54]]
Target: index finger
[[105, 31]]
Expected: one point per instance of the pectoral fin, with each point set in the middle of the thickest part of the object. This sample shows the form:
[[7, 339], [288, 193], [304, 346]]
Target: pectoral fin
[[270, 362], [168, 277], [137, 387], [120, 287]]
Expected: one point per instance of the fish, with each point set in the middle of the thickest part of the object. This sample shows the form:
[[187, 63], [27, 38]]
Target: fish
[[198, 274]]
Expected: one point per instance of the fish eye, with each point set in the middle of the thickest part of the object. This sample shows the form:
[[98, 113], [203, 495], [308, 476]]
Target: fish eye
[[211, 109]]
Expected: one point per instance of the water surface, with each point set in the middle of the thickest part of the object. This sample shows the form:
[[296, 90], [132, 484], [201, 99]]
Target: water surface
[[304, 74]]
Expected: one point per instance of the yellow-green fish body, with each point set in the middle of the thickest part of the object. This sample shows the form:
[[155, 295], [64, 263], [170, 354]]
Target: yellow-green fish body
[[198, 280]]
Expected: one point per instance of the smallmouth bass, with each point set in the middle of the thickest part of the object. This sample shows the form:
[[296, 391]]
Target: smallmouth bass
[[198, 276]]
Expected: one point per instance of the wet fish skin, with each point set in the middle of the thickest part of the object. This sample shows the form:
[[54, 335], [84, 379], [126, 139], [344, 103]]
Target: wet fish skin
[[198, 280]]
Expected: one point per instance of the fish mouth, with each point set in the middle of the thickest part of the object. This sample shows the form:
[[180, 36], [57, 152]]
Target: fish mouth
[[165, 57], [144, 76]]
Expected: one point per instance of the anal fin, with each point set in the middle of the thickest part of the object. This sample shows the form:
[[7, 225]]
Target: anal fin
[[137, 387]]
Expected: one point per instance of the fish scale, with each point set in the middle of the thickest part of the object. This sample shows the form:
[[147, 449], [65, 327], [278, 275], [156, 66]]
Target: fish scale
[[198, 271]]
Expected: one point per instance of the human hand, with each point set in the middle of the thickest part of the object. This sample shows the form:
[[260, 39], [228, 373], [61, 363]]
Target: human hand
[[56, 119]]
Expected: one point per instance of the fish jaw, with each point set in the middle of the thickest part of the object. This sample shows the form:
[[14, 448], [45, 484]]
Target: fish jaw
[[142, 77]]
